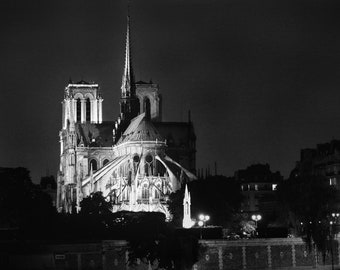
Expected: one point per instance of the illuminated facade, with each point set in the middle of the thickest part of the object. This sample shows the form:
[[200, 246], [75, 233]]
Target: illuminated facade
[[128, 160]]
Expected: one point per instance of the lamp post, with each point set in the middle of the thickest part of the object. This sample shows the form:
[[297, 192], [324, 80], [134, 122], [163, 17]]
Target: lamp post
[[202, 222], [331, 241], [334, 221], [256, 218], [335, 215]]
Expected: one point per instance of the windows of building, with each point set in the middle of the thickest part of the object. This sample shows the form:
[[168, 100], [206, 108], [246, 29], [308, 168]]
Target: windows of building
[[148, 158], [148, 165], [332, 181], [78, 110], [88, 110], [72, 159], [136, 159], [93, 163], [147, 107]]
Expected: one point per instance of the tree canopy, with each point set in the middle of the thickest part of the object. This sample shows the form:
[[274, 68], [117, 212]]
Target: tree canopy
[[95, 204], [308, 202], [22, 202]]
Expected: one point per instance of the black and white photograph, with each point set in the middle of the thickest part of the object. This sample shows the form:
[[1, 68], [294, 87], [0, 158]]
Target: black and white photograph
[[170, 134]]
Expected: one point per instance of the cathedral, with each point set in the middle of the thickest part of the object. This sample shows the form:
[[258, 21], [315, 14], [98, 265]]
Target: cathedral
[[136, 161]]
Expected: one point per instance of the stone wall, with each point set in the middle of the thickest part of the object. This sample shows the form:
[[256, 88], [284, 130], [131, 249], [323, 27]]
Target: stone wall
[[277, 253]]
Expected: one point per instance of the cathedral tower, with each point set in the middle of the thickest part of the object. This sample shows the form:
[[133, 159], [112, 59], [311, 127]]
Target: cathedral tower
[[82, 103]]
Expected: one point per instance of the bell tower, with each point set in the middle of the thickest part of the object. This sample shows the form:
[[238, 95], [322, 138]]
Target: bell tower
[[82, 103]]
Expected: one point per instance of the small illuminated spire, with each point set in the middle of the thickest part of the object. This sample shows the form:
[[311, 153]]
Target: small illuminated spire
[[187, 222], [127, 80], [186, 195]]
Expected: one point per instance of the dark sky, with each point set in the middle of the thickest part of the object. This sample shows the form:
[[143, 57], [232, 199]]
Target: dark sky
[[262, 78]]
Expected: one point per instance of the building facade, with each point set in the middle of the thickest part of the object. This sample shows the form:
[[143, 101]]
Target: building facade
[[136, 161], [258, 185], [324, 160]]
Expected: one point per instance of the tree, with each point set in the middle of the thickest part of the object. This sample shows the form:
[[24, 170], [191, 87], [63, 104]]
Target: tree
[[24, 206], [21, 201], [95, 204], [150, 238], [307, 201], [48, 182]]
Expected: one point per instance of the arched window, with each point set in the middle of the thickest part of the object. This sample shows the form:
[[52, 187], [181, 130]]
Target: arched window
[[148, 165], [105, 162], [145, 192], [136, 158], [88, 110], [147, 107], [78, 110], [148, 158], [93, 163], [73, 160]]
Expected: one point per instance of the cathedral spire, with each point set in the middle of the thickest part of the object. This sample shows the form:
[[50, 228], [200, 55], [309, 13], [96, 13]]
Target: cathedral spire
[[128, 78]]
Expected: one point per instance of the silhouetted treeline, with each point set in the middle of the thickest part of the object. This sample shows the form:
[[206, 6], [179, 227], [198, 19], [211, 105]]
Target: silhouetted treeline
[[307, 203], [23, 205]]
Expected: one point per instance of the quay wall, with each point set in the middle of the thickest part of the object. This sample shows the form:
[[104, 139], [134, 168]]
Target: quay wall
[[275, 253]]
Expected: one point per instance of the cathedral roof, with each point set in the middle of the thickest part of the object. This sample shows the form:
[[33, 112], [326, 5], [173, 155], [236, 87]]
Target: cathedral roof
[[140, 129]]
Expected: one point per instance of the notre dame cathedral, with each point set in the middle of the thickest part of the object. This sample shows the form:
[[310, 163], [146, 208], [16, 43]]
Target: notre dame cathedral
[[135, 161]]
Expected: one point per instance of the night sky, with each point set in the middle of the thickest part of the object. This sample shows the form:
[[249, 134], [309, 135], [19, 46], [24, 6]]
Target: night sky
[[261, 78]]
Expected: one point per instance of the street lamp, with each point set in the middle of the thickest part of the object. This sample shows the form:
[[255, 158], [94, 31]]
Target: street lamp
[[335, 221], [256, 218], [335, 215], [331, 239], [202, 222], [203, 219]]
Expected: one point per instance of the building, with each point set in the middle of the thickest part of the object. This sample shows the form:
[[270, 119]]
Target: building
[[258, 185], [324, 160], [135, 160]]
